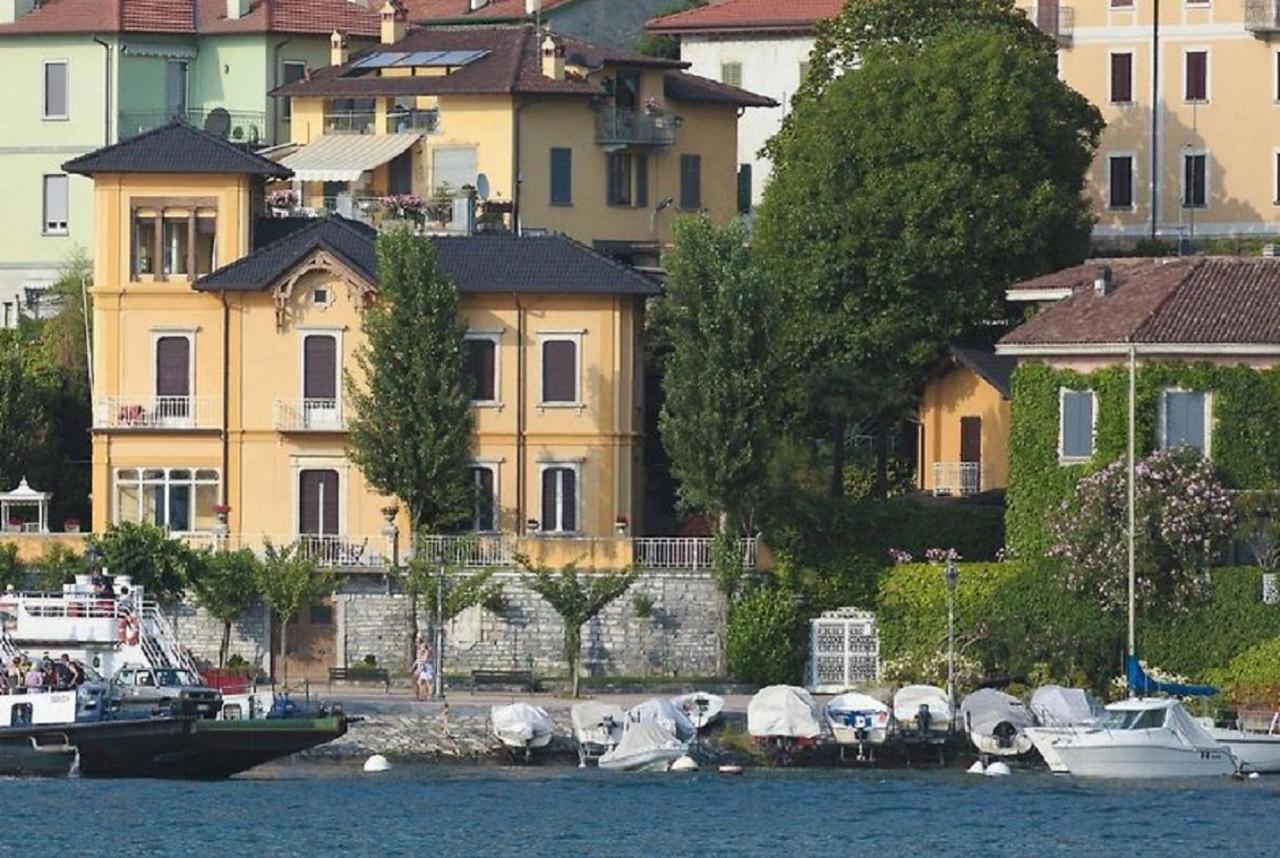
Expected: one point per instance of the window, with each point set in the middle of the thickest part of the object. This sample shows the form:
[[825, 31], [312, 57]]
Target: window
[[731, 74], [1194, 180], [1121, 4], [482, 366], [1121, 78], [626, 93], [1120, 189], [1075, 426], [55, 205], [173, 379], [453, 168], [55, 89], [144, 245], [320, 297], [1196, 76], [561, 177], [559, 499], [560, 371], [183, 239], [691, 182], [744, 189], [180, 499], [1184, 420], [320, 407], [291, 71], [618, 187], [641, 195], [176, 88], [483, 516], [318, 502], [321, 615]]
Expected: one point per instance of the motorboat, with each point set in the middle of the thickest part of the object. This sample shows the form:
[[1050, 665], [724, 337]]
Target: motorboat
[[922, 714], [646, 746], [1060, 711], [996, 722], [785, 717], [597, 728], [1144, 737], [858, 719], [522, 727], [1256, 746], [701, 708], [665, 714]]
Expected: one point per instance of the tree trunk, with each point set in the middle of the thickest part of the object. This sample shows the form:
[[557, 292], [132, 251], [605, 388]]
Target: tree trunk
[[723, 600], [226, 644], [837, 457], [880, 489], [572, 650], [284, 663]]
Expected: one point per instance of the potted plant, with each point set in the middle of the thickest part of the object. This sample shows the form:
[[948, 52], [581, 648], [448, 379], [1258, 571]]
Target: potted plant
[[652, 107], [220, 512], [282, 202], [404, 206], [620, 525], [71, 525]]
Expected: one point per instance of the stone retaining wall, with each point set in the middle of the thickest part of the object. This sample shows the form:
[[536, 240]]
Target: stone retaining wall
[[202, 634]]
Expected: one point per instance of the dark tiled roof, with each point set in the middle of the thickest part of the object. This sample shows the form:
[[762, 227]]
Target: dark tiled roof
[[760, 15], [682, 86], [996, 369], [1191, 301], [317, 17], [482, 263], [175, 148]]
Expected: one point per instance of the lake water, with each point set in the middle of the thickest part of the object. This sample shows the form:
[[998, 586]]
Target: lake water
[[321, 809]]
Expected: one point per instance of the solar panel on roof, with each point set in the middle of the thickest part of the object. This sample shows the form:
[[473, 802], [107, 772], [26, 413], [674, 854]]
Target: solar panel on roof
[[380, 60], [419, 58]]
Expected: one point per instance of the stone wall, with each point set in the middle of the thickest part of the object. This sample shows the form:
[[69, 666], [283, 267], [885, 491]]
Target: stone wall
[[202, 634]]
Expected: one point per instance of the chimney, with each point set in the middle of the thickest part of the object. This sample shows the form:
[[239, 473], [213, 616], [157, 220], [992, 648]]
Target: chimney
[[394, 18], [532, 7], [363, 4], [237, 9], [552, 59], [473, 5], [337, 49], [1102, 282]]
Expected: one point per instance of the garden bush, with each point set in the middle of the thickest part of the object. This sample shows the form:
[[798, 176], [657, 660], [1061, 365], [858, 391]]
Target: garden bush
[[765, 641]]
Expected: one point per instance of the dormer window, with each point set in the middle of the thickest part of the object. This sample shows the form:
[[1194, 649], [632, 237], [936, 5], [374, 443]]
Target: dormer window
[[173, 239]]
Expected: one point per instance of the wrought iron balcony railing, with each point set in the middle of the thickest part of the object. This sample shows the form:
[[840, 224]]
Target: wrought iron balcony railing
[[157, 412], [635, 128]]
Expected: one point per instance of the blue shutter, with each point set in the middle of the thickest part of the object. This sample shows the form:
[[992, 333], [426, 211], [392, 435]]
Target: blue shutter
[[1077, 424], [1194, 434], [1184, 416], [561, 177]]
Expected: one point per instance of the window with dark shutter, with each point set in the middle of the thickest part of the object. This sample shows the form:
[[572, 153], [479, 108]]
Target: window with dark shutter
[[1121, 78], [318, 502], [642, 182], [173, 366], [1197, 75], [561, 177], [483, 515], [1121, 187], [1077, 424], [320, 367], [1194, 181], [559, 500], [560, 371], [618, 191], [691, 182], [1184, 419], [481, 363]]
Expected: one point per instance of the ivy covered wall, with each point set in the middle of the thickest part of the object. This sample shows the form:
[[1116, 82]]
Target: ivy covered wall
[[1244, 445]]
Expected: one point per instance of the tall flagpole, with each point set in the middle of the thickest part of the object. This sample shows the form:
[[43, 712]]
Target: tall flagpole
[[1133, 371]]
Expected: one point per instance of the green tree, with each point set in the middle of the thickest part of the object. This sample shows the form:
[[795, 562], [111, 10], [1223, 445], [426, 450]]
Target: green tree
[[289, 581], [411, 434], [11, 568], [766, 637], [227, 587], [907, 193], [27, 384], [57, 566], [66, 334], [577, 599], [423, 579], [163, 566], [660, 44]]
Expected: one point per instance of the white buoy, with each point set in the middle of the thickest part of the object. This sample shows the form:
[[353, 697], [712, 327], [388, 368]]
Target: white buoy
[[1254, 775], [377, 763], [977, 768], [998, 770], [685, 764], [730, 770]]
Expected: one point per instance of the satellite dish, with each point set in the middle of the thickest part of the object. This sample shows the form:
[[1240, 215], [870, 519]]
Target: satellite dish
[[482, 186]]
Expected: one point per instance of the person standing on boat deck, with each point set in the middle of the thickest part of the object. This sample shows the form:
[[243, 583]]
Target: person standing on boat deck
[[35, 679], [75, 673], [13, 675]]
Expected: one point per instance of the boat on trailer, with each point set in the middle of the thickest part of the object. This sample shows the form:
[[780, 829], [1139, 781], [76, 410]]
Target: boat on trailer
[[858, 720], [522, 728], [784, 719], [597, 727]]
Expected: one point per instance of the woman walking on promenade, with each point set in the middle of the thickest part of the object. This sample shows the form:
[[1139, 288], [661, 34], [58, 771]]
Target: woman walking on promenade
[[424, 673]]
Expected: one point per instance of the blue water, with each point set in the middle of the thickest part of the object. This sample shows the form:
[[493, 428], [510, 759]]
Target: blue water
[[315, 809]]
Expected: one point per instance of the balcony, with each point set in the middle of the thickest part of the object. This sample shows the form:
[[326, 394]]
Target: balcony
[[239, 126], [308, 415], [157, 412], [353, 122], [635, 128], [957, 478], [329, 551], [1053, 19], [660, 553], [398, 121], [413, 121], [1262, 16]]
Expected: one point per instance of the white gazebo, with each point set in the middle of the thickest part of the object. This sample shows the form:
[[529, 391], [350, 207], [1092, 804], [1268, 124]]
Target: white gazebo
[[25, 496]]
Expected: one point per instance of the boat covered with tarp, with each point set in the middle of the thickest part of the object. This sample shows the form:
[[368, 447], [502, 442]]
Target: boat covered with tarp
[[645, 747], [996, 723], [664, 713], [784, 715]]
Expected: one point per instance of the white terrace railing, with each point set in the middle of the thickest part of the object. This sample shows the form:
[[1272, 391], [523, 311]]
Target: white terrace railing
[[472, 551], [308, 415], [683, 552], [329, 551], [157, 412], [957, 478]]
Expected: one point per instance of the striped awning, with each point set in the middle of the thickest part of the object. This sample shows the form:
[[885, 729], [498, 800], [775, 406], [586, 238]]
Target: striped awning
[[343, 157]]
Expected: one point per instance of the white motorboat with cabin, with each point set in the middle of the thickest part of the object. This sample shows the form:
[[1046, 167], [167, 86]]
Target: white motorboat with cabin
[[1060, 711], [522, 727], [996, 723], [597, 728], [701, 708], [664, 713], [646, 746], [785, 717], [1253, 739], [859, 720], [922, 714]]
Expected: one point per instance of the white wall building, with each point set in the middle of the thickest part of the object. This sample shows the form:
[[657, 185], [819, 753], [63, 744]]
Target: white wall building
[[760, 45]]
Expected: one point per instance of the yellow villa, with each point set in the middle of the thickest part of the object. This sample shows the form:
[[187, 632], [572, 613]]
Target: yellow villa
[[1190, 149], [222, 337], [964, 424], [553, 135]]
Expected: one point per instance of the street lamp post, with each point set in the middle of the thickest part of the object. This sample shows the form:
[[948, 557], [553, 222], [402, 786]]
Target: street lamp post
[[439, 626], [951, 574]]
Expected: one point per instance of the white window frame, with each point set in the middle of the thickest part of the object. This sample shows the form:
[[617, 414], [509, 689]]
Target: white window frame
[[574, 336], [1133, 78], [305, 331], [1275, 174], [574, 465], [44, 95], [1182, 176], [168, 482], [190, 335], [493, 466], [299, 464], [1133, 182], [65, 229], [1208, 73], [728, 63], [1208, 418], [1063, 458], [494, 336]]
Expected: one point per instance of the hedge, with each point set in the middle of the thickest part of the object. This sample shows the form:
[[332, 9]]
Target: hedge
[[1245, 435]]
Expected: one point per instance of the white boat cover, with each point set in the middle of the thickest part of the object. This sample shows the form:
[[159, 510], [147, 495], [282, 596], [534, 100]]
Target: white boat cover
[[909, 699], [520, 723], [642, 744], [589, 722], [655, 710], [855, 701], [699, 707], [982, 710], [1055, 706], [784, 710]]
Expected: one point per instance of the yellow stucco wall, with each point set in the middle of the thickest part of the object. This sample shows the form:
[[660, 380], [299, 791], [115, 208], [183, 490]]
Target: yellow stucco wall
[[950, 395]]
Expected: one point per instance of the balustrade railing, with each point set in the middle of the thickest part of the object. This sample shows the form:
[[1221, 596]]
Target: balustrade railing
[[157, 412], [1262, 16], [308, 415], [679, 552], [957, 478]]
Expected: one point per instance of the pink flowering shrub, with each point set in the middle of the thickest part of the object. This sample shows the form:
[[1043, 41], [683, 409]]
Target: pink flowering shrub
[[1184, 518]]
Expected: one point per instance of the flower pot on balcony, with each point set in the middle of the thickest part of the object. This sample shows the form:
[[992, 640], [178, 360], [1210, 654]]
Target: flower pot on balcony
[[620, 527], [71, 525]]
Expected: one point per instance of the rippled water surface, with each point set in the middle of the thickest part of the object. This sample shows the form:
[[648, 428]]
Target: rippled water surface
[[316, 809]]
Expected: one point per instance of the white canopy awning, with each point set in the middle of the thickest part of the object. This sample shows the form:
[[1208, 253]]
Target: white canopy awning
[[343, 157]]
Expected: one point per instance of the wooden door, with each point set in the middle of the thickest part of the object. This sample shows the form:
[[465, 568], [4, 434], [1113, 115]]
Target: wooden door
[[311, 646]]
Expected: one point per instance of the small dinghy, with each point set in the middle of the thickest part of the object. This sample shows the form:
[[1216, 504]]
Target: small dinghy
[[702, 709], [996, 722], [522, 727], [597, 727], [664, 713], [857, 719], [1060, 712], [784, 717], [645, 747], [922, 713]]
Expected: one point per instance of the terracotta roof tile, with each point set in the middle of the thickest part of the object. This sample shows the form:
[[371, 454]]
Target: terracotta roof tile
[[428, 11], [766, 15], [318, 17]]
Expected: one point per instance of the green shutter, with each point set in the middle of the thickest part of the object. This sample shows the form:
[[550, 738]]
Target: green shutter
[[561, 177]]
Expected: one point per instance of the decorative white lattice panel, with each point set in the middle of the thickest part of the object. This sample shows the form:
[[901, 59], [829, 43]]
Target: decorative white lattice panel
[[844, 650]]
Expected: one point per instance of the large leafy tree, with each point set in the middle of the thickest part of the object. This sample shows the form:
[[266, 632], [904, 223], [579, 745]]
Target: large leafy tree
[[908, 191], [164, 566], [289, 581], [226, 587], [411, 434]]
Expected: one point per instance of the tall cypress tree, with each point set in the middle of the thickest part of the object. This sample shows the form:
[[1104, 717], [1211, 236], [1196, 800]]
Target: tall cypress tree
[[411, 433]]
